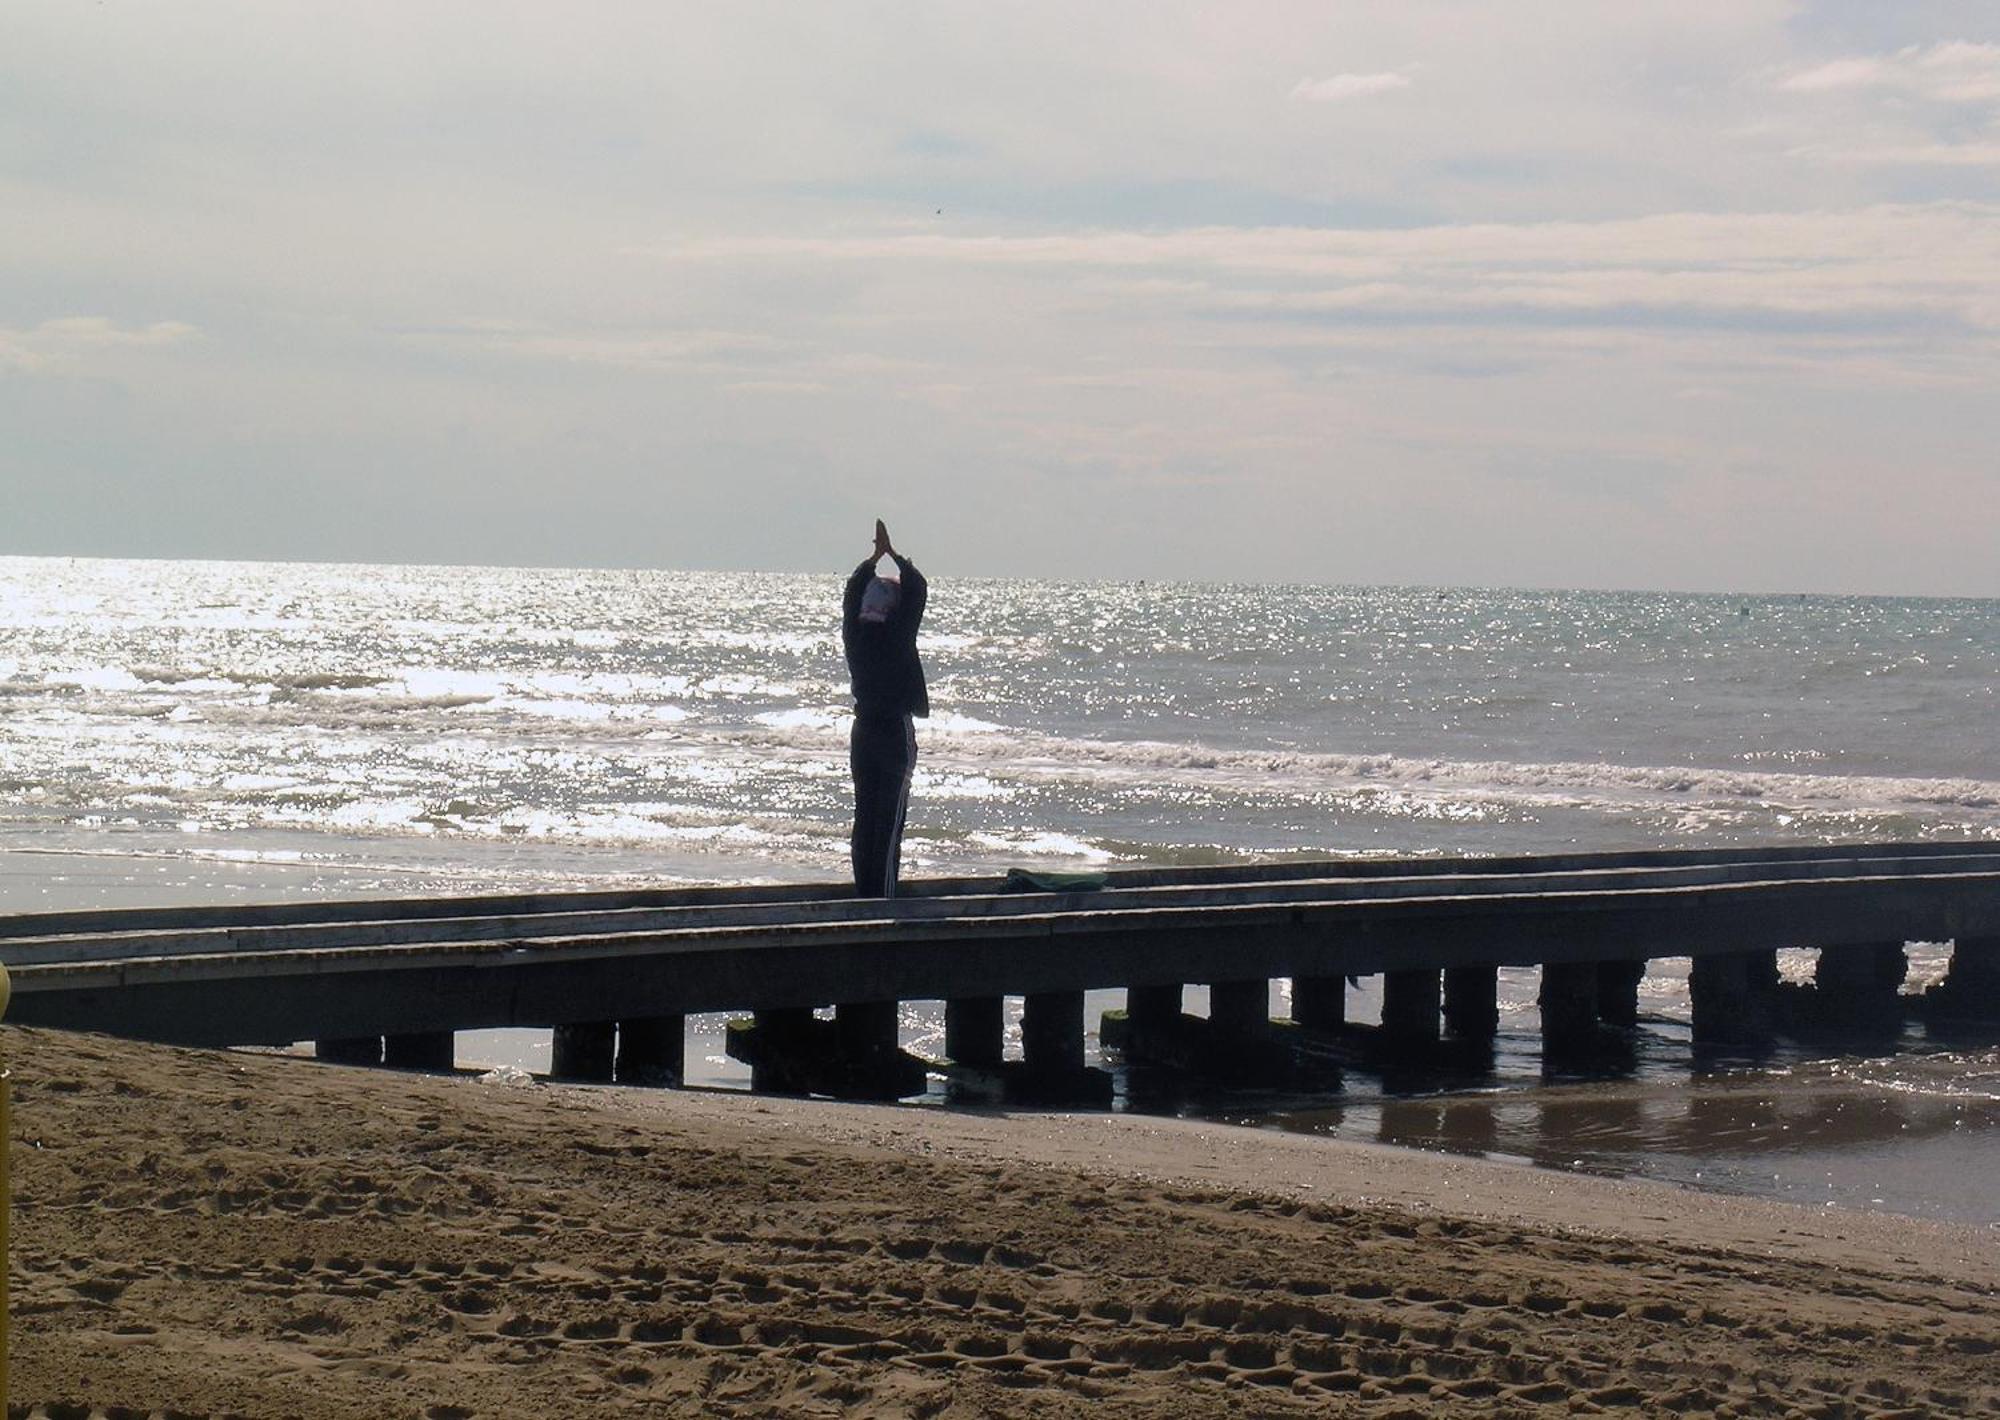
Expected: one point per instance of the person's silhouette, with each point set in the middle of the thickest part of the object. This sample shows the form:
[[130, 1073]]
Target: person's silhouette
[[878, 631]]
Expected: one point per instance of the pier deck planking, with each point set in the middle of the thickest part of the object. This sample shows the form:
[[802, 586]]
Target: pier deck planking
[[248, 975]]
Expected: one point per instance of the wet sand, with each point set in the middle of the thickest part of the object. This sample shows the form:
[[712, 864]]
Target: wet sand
[[216, 1233]]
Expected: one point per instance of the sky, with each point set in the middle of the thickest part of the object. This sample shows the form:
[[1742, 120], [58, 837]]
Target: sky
[[1702, 294]]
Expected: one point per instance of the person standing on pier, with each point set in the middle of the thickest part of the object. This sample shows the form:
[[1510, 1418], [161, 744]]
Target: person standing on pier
[[878, 630]]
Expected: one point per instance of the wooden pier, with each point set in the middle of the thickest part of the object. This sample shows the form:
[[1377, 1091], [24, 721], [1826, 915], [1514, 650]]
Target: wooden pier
[[615, 973]]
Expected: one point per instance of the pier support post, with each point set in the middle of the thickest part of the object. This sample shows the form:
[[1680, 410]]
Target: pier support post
[[865, 1029], [652, 1050], [1970, 990], [350, 1050], [1410, 1004], [420, 1050], [1319, 1002], [1153, 1008], [975, 1031], [1728, 992], [1472, 1001], [1241, 1007], [781, 1035], [1569, 1004], [583, 1051], [1052, 1032], [1861, 983], [1618, 992]]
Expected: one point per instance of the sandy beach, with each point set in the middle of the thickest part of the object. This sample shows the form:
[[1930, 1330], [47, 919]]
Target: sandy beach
[[237, 1234]]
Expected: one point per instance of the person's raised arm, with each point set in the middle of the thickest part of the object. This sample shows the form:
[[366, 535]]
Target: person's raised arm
[[850, 601], [910, 607]]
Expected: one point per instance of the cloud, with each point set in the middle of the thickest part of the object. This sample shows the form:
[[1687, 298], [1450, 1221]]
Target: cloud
[[1955, 72], [1349, 86], [63, 345], [693, 351], [1882, 269], [1840, 74], [1936, 155], [1907, 109]]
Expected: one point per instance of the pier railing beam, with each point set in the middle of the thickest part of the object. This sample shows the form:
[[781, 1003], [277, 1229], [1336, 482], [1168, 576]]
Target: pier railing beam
[[350, 1050], [1319, 1002], [1410, 1005], [975, 1031], [1472, 1001], [1052, 1032], [1569, 1004], [1618, 992], [1242, 1007], [419, 1050], [583, 1050], [652, 1050]]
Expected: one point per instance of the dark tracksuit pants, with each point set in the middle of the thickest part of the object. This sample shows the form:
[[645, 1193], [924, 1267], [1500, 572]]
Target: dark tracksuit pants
[[883, 755]]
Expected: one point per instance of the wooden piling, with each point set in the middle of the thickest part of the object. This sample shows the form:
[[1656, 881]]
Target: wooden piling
[[782, 1033], [865, 1029], [1153, 1008], [419, 1050], [1319, 1002], [1618, 992], [975, 1031], [1970, 990], [350, 1050], [583, 1050], [652, 1050], [1569, 1005], [1861, 983], [1052, 1032], [1410, 1004], [1729, 999], [1472, 1001], [1242, 1007]]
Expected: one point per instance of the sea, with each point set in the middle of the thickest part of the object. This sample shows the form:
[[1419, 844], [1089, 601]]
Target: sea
[[181, 731]]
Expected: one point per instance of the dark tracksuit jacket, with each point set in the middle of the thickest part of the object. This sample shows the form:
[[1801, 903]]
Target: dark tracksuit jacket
[[889, 691]]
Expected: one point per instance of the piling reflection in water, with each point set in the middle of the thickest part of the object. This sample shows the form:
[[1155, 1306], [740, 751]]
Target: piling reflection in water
[[1908, 1132]]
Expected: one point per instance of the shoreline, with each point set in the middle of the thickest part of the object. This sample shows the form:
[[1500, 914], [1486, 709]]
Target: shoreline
[[225, 1232]]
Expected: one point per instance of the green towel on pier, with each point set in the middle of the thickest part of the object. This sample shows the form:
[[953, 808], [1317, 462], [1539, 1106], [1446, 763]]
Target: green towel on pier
[[1024, 880]]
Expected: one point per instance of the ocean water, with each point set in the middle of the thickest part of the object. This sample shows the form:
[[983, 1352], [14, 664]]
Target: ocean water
[[175, 730]]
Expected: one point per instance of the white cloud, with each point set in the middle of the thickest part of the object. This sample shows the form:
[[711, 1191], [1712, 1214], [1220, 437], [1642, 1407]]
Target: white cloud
[[692, 351], [1959, 72], [1349, 86], [1955, 71], [1840, 74], [1933, 155], [1933, 265], [63, 345], [1908, 109]]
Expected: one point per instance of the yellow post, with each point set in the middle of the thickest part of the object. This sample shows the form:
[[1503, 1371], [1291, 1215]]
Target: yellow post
[[6, 1194]]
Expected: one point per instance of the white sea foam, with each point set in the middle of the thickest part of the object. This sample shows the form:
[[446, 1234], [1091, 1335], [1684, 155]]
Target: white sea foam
[[816, 722], [1042, 845], [1299, 772]]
